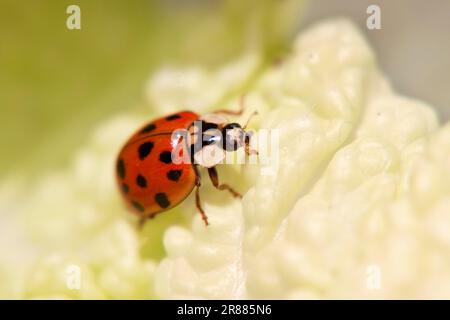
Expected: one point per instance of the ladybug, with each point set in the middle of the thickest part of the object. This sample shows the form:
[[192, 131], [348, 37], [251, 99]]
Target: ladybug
[[158, 167]]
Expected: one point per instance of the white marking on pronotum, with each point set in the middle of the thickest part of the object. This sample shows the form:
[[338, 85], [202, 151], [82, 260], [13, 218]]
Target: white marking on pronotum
[[209, 156]]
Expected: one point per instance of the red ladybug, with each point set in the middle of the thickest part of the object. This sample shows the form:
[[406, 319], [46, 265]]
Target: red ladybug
[[152, 180]]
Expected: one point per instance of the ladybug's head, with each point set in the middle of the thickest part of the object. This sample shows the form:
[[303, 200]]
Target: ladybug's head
[[233, 136]]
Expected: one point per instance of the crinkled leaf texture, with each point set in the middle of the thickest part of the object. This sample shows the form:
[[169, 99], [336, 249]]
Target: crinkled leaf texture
[[358, 208]]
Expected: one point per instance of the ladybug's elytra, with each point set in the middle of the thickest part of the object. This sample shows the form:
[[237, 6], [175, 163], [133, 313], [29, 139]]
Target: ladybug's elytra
[[152, 182]]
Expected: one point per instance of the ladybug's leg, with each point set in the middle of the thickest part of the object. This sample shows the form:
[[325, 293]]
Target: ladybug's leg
[[234, 112], [215, 181], [141, 222], [197, 197]]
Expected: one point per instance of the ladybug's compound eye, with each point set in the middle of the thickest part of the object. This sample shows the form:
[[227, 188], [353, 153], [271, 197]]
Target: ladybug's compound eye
[[211, 136], [234, 136]]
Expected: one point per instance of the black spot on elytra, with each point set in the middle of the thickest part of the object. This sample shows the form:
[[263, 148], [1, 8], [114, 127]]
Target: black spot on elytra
[[141, 181], [166, 157], [125, 188], [174, 175], [138, 206], [161, 199], [173, 117], [145, 149], [148, 128], [121, 168]]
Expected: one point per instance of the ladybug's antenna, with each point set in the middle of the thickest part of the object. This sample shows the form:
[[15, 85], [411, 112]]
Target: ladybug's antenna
[[247, 134], [249, 118]]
